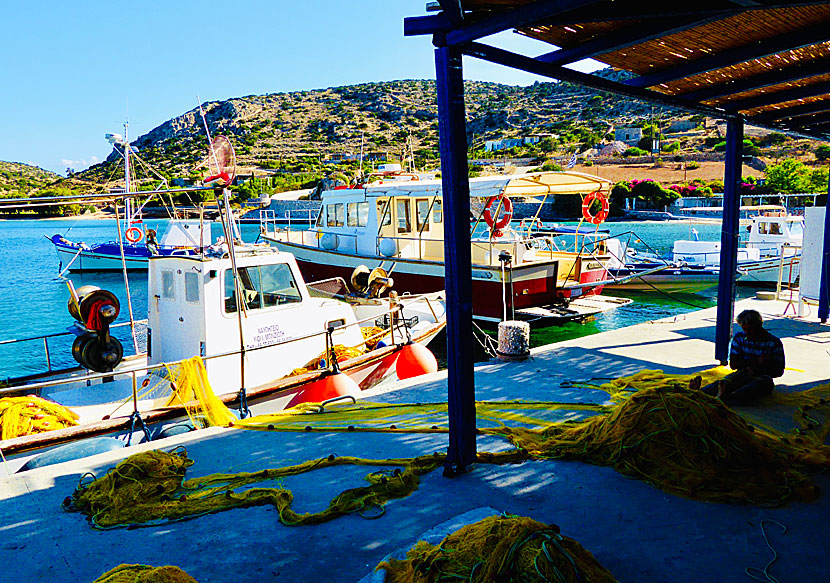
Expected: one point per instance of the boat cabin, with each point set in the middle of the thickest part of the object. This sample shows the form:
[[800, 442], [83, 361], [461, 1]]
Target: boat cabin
[[197, 307], [405, 220], [769, 231]]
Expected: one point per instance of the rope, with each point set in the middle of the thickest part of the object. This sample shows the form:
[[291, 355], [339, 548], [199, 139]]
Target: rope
[[767, 577]]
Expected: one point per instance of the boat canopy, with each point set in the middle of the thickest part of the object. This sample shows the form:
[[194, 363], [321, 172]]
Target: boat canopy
[[518, 185]]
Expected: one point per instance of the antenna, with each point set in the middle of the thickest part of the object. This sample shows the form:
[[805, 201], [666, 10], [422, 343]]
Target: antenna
[[207, 131]]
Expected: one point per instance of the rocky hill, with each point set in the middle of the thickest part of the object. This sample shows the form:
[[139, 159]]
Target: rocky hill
[[280, 130], [18, 180], [289, 137]]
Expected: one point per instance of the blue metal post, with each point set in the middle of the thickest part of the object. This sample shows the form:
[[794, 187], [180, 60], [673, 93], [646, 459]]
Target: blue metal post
[[457, 255], [729, 237], [824, 282]]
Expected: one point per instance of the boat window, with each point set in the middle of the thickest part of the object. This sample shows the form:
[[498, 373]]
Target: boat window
[[262, 286], [168, 284], [422, 214], [796, 228], [404, 220], [774, 229], [191, 287], [357, 214], [438, 211], [762, 228], [334, 215], [384, 212]]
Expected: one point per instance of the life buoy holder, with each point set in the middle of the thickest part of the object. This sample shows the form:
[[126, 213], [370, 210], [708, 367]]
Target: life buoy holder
[[505, 217], [134, 234], [601, 215]]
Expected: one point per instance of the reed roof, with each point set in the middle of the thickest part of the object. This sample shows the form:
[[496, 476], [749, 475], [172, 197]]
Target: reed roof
[[765, 60]]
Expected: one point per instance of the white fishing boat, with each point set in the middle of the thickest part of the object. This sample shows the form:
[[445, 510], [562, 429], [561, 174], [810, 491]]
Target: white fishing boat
[[253, 331], [772, 249], [234, 325], [397, 222]]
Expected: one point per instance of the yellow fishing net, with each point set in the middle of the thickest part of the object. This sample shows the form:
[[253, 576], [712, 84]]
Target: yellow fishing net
[[682, 441], [145, 574], [507, 549], [686, 443], [149, 487], [371, 336], [30, 414], [192, 389]]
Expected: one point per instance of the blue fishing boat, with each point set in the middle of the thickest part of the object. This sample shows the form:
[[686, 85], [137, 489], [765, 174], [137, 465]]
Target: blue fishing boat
[[134, 243]]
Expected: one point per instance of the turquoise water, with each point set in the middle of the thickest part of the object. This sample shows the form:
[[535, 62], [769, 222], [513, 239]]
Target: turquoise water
[[33, 299]]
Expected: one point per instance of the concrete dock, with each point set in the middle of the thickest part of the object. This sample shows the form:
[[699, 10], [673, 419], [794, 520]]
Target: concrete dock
[[637, 531]]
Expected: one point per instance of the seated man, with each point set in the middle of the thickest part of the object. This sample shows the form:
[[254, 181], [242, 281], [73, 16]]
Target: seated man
[[757, 357]]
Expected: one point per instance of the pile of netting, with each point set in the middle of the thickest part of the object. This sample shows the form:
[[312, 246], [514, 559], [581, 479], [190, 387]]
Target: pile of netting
[[507, 549], [145, 574], [371, 335], [30, 414], [148, 488], [192, 389], [686, 443]]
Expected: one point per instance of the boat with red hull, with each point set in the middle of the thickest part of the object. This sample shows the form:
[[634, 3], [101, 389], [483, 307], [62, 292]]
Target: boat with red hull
[[397, 225]]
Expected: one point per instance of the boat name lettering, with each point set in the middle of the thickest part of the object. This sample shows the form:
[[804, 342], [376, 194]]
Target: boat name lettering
[[268, 334]]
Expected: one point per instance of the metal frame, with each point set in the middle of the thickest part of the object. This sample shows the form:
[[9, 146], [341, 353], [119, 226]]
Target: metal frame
[[455, 33]]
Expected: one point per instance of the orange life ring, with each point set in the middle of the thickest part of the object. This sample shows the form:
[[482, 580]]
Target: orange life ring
[[134, 234], [586, 208], [504, 219]]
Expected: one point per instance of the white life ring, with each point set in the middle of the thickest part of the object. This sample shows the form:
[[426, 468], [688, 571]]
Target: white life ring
[[134, 234]]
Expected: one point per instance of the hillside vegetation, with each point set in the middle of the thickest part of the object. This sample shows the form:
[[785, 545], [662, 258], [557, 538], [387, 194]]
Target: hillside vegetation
[[291, 140]]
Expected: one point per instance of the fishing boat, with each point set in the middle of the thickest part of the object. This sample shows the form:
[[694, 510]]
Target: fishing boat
[[396, 221], [259, 330], [629, 268], [771, 253], [135, 242]]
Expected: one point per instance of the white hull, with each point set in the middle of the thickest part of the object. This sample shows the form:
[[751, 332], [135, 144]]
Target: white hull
[[89, 261]]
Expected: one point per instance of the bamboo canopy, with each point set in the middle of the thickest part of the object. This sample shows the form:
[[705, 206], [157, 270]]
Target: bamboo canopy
[[767, 61]]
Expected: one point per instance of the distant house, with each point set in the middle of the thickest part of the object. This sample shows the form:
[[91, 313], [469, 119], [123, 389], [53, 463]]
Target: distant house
[[682, 125], [628, 135], [505, 143]]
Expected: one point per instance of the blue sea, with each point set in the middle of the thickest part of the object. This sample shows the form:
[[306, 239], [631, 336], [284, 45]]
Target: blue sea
[[33, 298]]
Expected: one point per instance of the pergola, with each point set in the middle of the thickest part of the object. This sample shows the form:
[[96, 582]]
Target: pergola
[[756, 62]]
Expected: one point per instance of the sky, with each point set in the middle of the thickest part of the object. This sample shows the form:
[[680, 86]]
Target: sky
[[74, 71]]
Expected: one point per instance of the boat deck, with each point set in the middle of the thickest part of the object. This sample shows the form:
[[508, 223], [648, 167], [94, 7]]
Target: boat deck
[[637, 531]]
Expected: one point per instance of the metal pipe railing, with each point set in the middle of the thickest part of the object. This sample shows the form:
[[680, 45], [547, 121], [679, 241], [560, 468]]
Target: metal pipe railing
[[395, 324]]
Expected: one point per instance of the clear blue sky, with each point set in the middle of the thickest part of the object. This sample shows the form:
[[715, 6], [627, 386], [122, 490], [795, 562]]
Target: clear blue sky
[[74, 71]]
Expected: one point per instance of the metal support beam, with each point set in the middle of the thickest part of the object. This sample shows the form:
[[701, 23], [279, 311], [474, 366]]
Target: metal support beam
[[525, 15], [457, 260], [824, 280], [729, 238]]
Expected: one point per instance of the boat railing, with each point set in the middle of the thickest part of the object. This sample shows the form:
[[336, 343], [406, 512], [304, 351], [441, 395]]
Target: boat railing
[[792, 252], [393, 318], [47, 351]]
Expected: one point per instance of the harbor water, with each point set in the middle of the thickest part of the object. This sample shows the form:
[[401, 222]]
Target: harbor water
[[33, 298]]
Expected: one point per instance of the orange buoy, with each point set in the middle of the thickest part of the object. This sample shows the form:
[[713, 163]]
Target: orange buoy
[[328, 386], [415, 360]]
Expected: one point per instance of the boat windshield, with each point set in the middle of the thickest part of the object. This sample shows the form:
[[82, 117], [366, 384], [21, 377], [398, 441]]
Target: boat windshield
[[262, 286]]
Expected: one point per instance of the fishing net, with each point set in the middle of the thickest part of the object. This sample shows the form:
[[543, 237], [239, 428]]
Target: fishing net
[[680, 440], [30, 414], [145, 574], [499, 548], [371, 336], [149, 487], [192, 389], [686, 443]]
